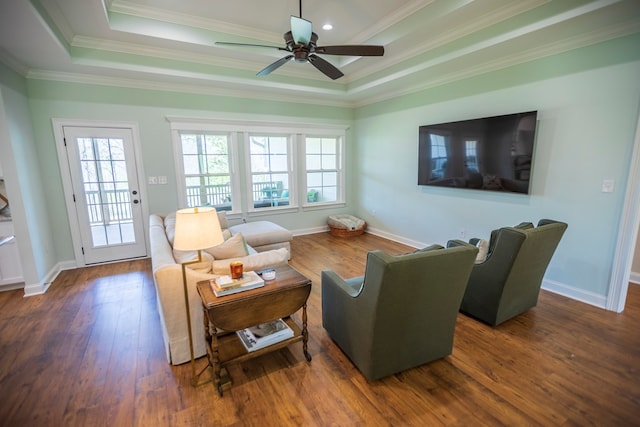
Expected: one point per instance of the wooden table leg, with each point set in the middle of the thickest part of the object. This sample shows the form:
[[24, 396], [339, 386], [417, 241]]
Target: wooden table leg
[[305, 333], [216, 359], [207, 342]]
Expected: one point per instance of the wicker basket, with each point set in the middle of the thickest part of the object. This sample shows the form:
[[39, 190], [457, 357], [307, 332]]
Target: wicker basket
[[339, 230], [345, 232]]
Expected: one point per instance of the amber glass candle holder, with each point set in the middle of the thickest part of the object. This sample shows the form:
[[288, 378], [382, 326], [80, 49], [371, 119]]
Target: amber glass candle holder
[[236, 270]]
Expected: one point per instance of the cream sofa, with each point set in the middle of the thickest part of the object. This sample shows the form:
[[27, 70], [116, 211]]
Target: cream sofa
[[271, 239]]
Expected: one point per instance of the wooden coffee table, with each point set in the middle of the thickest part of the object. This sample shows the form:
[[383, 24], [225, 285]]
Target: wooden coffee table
[[278, 298]]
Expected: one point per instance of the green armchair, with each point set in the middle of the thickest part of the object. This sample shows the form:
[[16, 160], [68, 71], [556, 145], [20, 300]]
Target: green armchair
[[402, 312], [507, 283]]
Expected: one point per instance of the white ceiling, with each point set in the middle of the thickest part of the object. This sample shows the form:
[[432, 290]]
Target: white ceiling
[[170, 44]]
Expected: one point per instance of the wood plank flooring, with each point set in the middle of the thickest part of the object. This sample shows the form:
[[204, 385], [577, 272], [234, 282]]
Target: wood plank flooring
[[89, 353]]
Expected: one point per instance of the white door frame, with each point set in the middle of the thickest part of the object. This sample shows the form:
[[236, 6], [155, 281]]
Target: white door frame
[[627, 233], [58, 125]]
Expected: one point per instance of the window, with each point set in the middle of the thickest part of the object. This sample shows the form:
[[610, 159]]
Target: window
[[258, 167], [207, 174], [323, 169], [269, 169], [471, 154], [438, 155]]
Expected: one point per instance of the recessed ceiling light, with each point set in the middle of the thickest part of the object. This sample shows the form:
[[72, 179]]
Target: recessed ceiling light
[[327, 27]]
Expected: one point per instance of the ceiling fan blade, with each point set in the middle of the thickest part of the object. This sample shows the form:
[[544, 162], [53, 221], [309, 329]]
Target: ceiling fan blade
[[279, 63], [301, 30], [249, 45], [351, 50], [325, 67]]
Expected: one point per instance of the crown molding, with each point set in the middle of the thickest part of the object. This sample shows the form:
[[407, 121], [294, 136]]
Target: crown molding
[[139, 11], [10, 61], [604, 34], [314, 96]]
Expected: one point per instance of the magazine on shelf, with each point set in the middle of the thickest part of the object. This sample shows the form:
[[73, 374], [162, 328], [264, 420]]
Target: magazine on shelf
[[265, 334], [225, 285]]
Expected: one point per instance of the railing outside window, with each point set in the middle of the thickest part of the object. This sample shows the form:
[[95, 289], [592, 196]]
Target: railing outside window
[[109, 206]]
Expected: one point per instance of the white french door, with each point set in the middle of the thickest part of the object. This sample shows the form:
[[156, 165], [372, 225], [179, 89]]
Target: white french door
[[106, 193]]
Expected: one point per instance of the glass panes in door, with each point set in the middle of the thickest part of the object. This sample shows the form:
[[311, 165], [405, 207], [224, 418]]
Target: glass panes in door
[[106, 189]]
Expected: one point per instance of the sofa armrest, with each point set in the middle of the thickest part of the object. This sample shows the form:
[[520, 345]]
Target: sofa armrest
[[170, 289]]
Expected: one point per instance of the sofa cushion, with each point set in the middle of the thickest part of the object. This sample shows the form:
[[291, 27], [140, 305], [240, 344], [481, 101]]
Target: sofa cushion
[[232, 248], [260, 233], [253, 262], [222, 218]]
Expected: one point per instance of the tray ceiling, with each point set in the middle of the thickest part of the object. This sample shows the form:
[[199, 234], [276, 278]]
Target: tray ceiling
[[170, 45]]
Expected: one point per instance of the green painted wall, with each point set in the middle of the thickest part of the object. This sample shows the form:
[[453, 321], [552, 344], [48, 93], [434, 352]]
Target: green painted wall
[[21, 168], [149, 110], [588, 106], [586, 126]]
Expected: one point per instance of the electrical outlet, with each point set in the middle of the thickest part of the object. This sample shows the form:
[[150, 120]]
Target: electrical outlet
[[608, 185], [463, 233]]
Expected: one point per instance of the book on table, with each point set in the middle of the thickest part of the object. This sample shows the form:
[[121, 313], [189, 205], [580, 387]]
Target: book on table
[[265, 334], [225, 285]]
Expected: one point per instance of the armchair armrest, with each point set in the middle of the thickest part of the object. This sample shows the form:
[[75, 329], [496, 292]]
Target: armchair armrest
[[351, 287], [344, 315]]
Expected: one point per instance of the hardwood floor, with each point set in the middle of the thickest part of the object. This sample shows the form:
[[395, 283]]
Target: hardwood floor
[[89, 353]]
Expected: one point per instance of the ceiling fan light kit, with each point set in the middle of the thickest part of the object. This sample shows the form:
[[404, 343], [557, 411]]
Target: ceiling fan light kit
[[301, 43]]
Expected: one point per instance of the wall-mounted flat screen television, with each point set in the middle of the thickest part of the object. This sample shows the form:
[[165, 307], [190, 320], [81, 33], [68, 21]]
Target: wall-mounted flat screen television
[[491, 153]]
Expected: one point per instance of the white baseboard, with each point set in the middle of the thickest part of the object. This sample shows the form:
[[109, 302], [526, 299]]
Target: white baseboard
[[581, 295], [389, 236], [635, 278], [587, 297], [314, 230], [11, 286], [40, 288]]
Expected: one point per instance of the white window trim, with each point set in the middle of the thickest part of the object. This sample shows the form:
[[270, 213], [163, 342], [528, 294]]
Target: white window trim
[[340, 162], [291, 171], [240, 129]]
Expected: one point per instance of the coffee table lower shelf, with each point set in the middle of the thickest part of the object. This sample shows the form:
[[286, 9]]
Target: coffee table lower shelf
[[231, 350]]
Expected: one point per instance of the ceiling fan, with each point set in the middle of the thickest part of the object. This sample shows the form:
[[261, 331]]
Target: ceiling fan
[[301, 45]]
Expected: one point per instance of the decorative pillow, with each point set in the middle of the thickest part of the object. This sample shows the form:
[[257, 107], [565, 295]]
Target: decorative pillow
[[203, 266], [483, 248], [491, 182], [253, 262], [233, 248]]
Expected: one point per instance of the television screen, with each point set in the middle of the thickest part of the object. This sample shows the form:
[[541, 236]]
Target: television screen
[[491, 153]]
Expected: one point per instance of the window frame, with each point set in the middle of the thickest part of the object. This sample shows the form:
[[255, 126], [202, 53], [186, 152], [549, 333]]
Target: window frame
[[238, 132], [291, 171], [340, 169]]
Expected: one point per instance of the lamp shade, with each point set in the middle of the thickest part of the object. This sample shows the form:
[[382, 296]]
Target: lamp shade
[[196, 229]]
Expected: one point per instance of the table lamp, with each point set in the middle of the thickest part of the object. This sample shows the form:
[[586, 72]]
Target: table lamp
[[196, 229]]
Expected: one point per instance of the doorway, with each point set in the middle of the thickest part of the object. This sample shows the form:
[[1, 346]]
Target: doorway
[[104, 202]]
